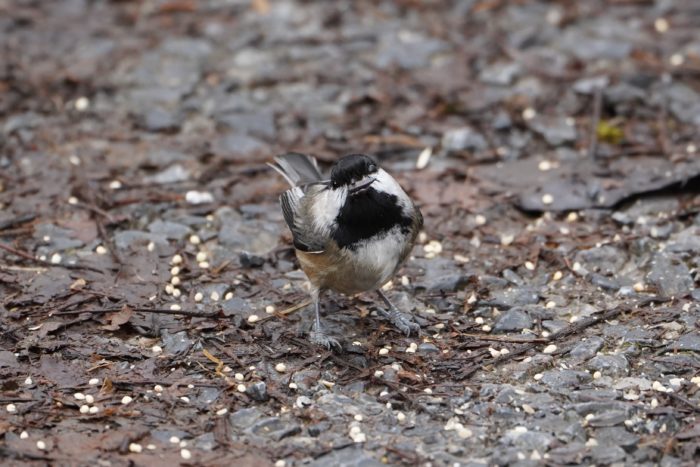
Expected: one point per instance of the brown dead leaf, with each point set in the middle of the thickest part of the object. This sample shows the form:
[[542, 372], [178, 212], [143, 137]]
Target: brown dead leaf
[[118, 318]]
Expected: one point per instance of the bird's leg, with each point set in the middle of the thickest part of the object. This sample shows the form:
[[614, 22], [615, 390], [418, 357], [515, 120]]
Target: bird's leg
[[401, 320], [317, 335]]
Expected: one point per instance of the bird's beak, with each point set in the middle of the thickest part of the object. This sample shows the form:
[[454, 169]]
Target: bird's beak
[[361, 185]]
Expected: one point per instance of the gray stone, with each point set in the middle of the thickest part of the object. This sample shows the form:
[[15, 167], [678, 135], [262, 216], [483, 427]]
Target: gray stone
[[515, 319], [609, 418], [245, 418], [275, 428], [605, 259], [258, 391], [126, 239], [500, 73], [176, 344], [171, 230], [670, 275], [690, 341], [609, 365], [351, 456], [515, 296], [555, 130], [606, 455], [428, 348], [565, 378], [465, 138], [616, 436], [173, 174]]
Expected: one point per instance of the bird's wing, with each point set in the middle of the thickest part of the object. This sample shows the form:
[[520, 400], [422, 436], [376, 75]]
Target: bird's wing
[[305, 239]]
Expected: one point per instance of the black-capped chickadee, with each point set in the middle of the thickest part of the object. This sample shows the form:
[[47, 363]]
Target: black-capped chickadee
[[351, 233]]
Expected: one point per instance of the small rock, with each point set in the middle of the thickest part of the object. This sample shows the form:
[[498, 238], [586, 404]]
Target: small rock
[[513, 320]]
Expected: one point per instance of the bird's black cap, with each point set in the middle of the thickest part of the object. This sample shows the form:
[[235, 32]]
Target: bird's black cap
[[351, 168]]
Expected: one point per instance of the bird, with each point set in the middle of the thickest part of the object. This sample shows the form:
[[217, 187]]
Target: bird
[[351, 232]]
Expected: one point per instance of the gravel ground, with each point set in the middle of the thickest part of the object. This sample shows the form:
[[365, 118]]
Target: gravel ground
[[152, 311]]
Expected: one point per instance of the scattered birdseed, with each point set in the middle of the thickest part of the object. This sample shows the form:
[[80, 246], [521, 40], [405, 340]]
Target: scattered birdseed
[[328, 384], [223, 411], [241, 388], [547, 198], [239, 377], [383, 351], [412, 348], [115, 185], [281, 367], [198, 197], [28, 381], [657, 386], [557, 276], [638, 287], [677, 59], [661, 25], [433, 246], [572, 217], [151, 447], [175, 306], [228, 296], [177, 259], [79, 396], [201, 256], [82, 103], [529, 113], [507, 239], [494, 353], [175, 270], [56, 258], [486, 328], [24, 435], [158, 388], [175, 280], [269, 309], [479, 320], [428, 391], [293, 386], [597, 375], [538, 376], [529, 265], [151, 246], [253, 318], [73, 159], [157, 349], [41, 445], [214, 296], [591, 443], [198, 297], [424, 158], [544, 166], [94, 409], [695, 380], [11, 408], [89, 399], [174, 440], [405, 281], [280, 463], [400, 416], [135, 447], [551, 348], [185, 399], [195, 240], [504, 351], [176, 292], [84, 408], [203, 265], [691, 148], [126, 400], [100, 250]]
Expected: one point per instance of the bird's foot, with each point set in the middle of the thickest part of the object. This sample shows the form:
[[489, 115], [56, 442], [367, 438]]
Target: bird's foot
[[321, 339], [402, 322]]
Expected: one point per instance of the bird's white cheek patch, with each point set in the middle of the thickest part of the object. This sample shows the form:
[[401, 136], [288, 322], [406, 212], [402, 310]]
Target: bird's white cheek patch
[[387, 184], [325, 208]]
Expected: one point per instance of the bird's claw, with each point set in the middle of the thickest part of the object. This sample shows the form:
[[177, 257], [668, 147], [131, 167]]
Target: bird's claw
[[402, 322], [323, 340]]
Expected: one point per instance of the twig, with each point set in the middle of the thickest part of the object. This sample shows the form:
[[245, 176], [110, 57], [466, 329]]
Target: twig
[[595, 121], [516, 340], [160, 311], [48, 264]]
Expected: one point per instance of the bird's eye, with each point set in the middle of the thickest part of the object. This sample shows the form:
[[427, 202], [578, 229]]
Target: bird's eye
[[372, 168]]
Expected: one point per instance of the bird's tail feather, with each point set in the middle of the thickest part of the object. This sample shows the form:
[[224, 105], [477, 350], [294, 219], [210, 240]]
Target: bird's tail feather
[[297, 169]]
